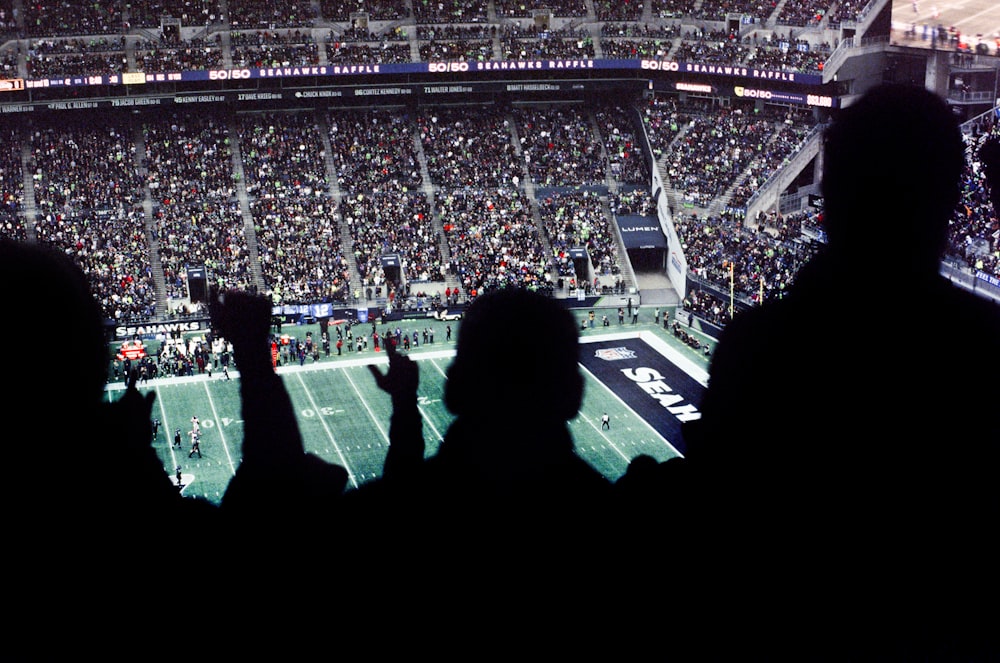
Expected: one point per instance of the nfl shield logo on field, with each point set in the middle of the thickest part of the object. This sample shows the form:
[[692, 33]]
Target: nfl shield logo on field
[[614, 354]]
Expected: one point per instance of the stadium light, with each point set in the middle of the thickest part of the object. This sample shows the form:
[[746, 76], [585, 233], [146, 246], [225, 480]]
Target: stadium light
[[732, 286]]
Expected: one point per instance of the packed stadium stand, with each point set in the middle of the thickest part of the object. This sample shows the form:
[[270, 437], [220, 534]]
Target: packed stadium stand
[[383, 152]]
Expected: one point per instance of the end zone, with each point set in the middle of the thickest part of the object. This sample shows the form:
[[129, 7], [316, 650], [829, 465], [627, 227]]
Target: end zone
[[659, 384]]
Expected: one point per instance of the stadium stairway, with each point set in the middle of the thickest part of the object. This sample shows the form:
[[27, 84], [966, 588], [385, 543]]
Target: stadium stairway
[[661, 165], [333, 177], [414, 45], [27, 169], [628, 275], [655, 289], [497, 39], [529, 192], [609, 178], [159, 279], [428, 188], [244, 200]]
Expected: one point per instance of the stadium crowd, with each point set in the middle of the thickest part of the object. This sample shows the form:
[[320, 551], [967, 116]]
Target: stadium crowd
[[574, 219], [301, 203], [559, 146], [493, 241], [715, 150], [461, 153], [143, 36], [292, 179], [263, 48]]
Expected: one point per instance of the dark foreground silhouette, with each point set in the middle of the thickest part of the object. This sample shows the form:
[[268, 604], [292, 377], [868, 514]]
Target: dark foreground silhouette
[[89, 513], [845, 463], [506, 487]]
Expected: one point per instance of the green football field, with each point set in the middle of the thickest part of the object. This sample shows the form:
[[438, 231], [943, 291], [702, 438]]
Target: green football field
[[344, 417]]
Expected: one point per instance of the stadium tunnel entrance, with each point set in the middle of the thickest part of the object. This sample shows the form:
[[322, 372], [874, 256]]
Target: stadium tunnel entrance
[[644, 242]]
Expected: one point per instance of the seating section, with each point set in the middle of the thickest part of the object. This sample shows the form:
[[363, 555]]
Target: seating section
[[305, 204]]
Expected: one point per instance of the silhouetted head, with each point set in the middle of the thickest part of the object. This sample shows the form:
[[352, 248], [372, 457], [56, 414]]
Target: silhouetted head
[[892, 166], [518, 353], [58, 373], [41, 281]]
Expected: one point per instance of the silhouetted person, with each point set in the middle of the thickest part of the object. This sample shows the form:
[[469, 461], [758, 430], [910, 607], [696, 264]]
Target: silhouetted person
[[505, 497], [845, 461], [77, 538], [405, 455], [279, 490]]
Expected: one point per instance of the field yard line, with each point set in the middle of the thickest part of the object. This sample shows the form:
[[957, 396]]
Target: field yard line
[[215, 415], [627, 407], [329, 433], [450, 353], [686, 364], [439, 369], [368, 357], [166, 426], [365, 402], [601, 432], [424, 416]]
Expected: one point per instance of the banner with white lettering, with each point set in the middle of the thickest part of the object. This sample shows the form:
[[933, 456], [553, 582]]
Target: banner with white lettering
[[641, 232], [659, 391]]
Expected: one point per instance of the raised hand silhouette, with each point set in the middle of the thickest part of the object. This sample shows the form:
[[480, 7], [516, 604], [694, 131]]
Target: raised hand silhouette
[[279, 489], [400, 381]]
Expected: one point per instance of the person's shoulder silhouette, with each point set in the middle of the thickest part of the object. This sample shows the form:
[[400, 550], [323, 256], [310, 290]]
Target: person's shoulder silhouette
[[872, 301], [513, 390], [59, 398], [87, 502], [506, 479], [845, 435]]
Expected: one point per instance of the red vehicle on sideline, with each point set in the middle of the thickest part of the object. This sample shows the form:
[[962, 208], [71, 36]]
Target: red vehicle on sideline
[[131, 350]]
